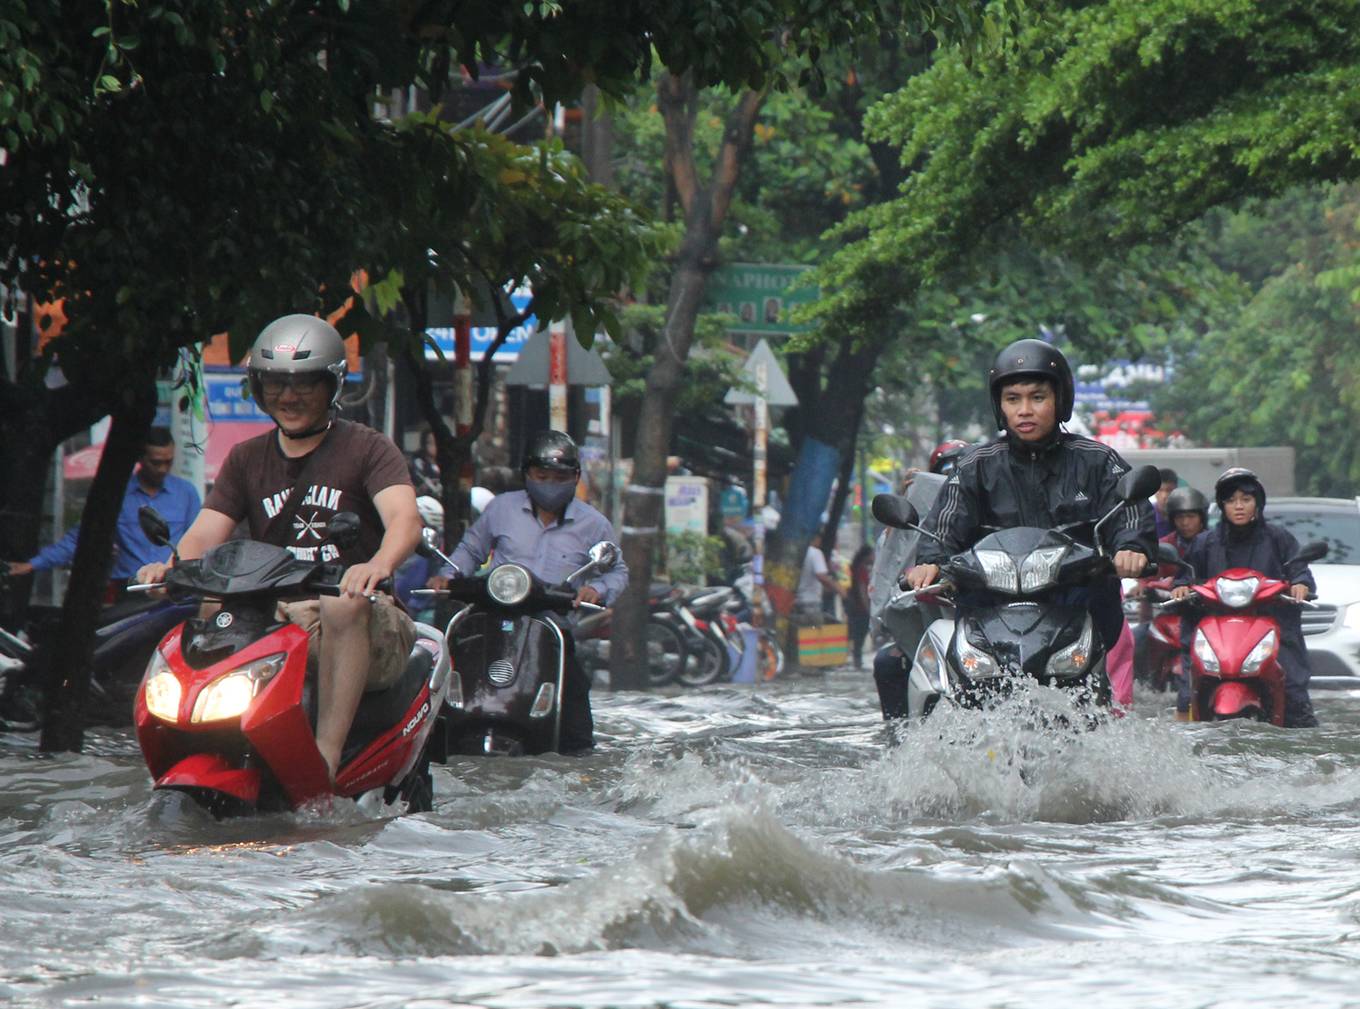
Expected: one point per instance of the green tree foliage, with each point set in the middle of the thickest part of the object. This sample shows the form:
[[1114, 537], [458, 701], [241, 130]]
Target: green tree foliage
[[1286, 370], [1102, 126]]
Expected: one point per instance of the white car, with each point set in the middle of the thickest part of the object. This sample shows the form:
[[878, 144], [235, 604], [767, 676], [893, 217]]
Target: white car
[[1332, 630]]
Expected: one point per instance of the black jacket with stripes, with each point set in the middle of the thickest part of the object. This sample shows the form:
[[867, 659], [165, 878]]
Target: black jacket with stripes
[[1007, 483]]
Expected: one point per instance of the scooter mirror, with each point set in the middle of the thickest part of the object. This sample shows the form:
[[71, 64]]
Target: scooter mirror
[[343, 529], [894, 510], [155, 527], [1139, 484], [428, 547], [1167, 554], [1314, 551], [604, 556]]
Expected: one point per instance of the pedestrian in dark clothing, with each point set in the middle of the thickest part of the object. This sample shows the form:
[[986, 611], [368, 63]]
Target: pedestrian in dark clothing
[[425, 467], [857, 601], [1244, 539], [1170, 481]]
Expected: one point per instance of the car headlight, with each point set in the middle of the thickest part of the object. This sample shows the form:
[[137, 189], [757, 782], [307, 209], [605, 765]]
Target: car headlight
[[229, 695], [1236, 592], [1259, 655], [509, 584], [1039, 569], [999, 569], [1071, 660], [1352, 617], [163, 692], [974, 662], [1205, 652]]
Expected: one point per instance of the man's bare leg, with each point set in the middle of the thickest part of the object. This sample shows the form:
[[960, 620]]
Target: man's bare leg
[[342, 669]]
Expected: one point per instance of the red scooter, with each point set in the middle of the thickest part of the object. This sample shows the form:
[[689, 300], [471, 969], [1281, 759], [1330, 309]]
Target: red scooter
[[1234, 656], [226, 711]]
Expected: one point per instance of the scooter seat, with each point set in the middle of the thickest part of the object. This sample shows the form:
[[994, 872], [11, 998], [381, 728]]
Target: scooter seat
[[380, 710]]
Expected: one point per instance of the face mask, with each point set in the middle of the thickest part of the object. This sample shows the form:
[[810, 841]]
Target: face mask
[[550, 496]]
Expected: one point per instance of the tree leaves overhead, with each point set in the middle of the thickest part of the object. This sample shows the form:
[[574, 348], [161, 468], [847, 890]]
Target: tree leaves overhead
[[1105, 125]]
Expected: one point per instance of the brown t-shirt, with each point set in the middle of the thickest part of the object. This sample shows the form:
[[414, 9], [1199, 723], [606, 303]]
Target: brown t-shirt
[[356, 462]]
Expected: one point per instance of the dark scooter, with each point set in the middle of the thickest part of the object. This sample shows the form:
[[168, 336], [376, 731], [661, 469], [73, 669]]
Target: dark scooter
[[510, 649], [1019, 622], [226, 711]]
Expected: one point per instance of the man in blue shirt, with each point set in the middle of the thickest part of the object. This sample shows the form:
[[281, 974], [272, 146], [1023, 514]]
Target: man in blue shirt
[[151, 484], [549, 531]]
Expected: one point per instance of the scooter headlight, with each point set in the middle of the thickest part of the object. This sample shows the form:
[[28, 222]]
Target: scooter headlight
[[999, 569], [509, 584], [1259, 655], [163, 692], [974, 662], [1039, 569], [1236, 592], [1205, 652], [228, 696], [928, 660], [1072, 659]]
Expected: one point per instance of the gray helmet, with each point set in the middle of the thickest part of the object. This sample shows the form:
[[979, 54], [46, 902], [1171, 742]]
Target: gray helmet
[[552, 450], [1187, 499], [297, 345], [1031, 359]]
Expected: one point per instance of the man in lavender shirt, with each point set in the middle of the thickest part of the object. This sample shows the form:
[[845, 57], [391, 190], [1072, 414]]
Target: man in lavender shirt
[[548, 530]]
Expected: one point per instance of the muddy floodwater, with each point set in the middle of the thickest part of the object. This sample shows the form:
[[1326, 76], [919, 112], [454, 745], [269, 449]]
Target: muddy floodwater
[[722, 847]]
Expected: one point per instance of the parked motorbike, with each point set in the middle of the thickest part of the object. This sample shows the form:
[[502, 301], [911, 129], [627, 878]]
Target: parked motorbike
[[664, 642], [1018, 619], [1234, 655], [226, 711], [127, 632], [510, 655]]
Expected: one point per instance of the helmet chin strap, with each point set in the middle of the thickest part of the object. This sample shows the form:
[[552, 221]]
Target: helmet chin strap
[[311, 432]]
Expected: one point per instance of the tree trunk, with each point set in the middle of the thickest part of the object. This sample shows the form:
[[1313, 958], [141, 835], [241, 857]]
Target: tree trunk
[[706, 210], [67, 657], [839, 411]]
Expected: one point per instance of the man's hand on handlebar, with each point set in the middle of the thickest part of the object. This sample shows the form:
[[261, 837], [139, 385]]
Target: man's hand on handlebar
[[1180, 592], [363, 579], [1130, 563], [153, 574], [1299, 591], [585, 594], [922, 575]]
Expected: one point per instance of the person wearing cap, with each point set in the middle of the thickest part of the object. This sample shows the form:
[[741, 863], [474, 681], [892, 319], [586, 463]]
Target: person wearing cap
[[361, 638], [1037, 474], [1244, 539], [549, 530]]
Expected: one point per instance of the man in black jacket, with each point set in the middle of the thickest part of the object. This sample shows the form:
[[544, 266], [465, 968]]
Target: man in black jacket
[[1037, 474], [1244, 539]]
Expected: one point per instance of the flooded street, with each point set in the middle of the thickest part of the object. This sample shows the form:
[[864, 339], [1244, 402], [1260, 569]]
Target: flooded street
[[722, 847]]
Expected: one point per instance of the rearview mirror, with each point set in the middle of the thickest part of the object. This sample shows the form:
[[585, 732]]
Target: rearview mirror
[[343, 529], [1312, 552], [429, 544], [1167, 554], [894, 510], [604, 556], [1139, 484], [156, 529]]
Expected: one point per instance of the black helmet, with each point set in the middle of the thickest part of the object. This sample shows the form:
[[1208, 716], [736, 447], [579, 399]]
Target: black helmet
[[1240, 478], [1187, 499], [1031, 359], [297, 345], [552, 450]]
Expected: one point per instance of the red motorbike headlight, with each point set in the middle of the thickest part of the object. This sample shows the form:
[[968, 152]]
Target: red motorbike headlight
[[1236, 592], [162, 692], [1259, 655]]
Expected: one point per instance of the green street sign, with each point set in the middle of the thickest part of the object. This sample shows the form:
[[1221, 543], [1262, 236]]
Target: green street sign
[[759, 295]]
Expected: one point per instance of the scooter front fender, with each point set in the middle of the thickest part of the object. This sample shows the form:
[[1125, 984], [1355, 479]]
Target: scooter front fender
[[210, 773], [1233, 698]]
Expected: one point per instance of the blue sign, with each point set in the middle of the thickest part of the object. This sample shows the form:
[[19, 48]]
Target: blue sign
[[227, 397], [484, 336], [732, 502]]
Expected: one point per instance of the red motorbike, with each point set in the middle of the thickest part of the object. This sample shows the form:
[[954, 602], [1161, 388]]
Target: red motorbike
[[226, 711], [1234, 655], [1159, 662]]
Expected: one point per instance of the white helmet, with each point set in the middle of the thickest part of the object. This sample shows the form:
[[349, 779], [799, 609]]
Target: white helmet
[[431, 511]]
